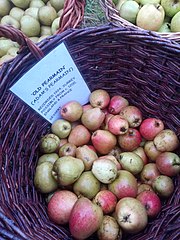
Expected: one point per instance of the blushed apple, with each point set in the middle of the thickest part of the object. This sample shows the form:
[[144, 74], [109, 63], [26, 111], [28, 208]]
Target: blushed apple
[[150, 17]]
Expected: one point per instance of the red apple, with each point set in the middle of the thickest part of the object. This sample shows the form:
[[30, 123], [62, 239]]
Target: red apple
[[117, 102], [151, 202], [118, 125], [133, 115], [150, 127], [149, 173]]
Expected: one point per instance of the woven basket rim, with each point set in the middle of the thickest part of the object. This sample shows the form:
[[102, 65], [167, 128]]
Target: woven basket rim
[[112, 15], [96, 32]]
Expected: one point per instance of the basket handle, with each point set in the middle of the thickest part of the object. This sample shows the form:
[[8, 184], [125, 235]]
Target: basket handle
[[73, 13]]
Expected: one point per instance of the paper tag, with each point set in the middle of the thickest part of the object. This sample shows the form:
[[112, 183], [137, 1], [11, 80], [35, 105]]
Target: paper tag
[[52, 82]]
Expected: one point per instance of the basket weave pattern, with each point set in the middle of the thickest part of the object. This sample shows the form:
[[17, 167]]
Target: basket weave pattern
[[138, 65], [112, 15]]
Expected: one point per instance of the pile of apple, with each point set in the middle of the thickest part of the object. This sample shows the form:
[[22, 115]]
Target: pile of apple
[[104, 169], [153, 15], [37, 19]]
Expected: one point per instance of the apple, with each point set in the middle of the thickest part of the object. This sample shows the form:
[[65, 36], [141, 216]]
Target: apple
[[57, 4], [68, 149], [47, 14], [45, 30], [13, 51], [168, 163], [150, 127], [143, 2], [150, 17], [55, 27], [21, 3], [119, 4], [131, 215], [9, 20], [175, 23], [151, 202], [36, 3], [129, 11], [5, 44], [16, 13], [5, 7], [149, 173], [165, 27], [32, 11], [171, 7], [30, 26], [163, 186]]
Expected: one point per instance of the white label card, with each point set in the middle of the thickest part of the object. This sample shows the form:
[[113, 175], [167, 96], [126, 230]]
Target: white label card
[[52, 82]]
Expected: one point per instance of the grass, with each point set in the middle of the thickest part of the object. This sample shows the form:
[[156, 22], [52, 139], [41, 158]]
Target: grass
[[94, 15]]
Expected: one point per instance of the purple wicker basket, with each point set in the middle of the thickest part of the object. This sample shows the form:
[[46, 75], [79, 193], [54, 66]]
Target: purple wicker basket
[[139, 65]]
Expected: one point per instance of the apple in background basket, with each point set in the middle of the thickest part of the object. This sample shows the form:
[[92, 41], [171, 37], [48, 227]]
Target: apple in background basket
[[129, 10], [175, 22], [150, 17], [171, 7], [150, 127]]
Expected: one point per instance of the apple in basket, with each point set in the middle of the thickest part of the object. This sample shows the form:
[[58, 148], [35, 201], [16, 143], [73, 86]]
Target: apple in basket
[[171, 7]]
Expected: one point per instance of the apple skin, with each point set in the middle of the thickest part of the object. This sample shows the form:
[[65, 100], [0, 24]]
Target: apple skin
[[5, 7], [175, 22], [165, 28], [151, 202], [61, 128], [171, 7], [150, 127], [131, 215], [168, 163], [150, 17], [129, 11], [163, 186], [143, 2]]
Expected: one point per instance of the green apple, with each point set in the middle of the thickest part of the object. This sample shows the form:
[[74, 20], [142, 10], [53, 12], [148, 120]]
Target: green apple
[[129, 11], [13, 51], [57, 4], [21, 3], [30, 26], [5, 7], [5, 45], [33, 12], [165, 27], [119, 4], [45, 30], [150, 17], [55, 25], [42, 37], [171, 7], [143, 2], [16, 13], [5, 58], [175, 23], [47, 14], [59, 13], [9, 20], [37, 3]]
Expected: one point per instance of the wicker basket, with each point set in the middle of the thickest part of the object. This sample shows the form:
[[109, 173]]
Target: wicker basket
[[112, 15], [136, 64]]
